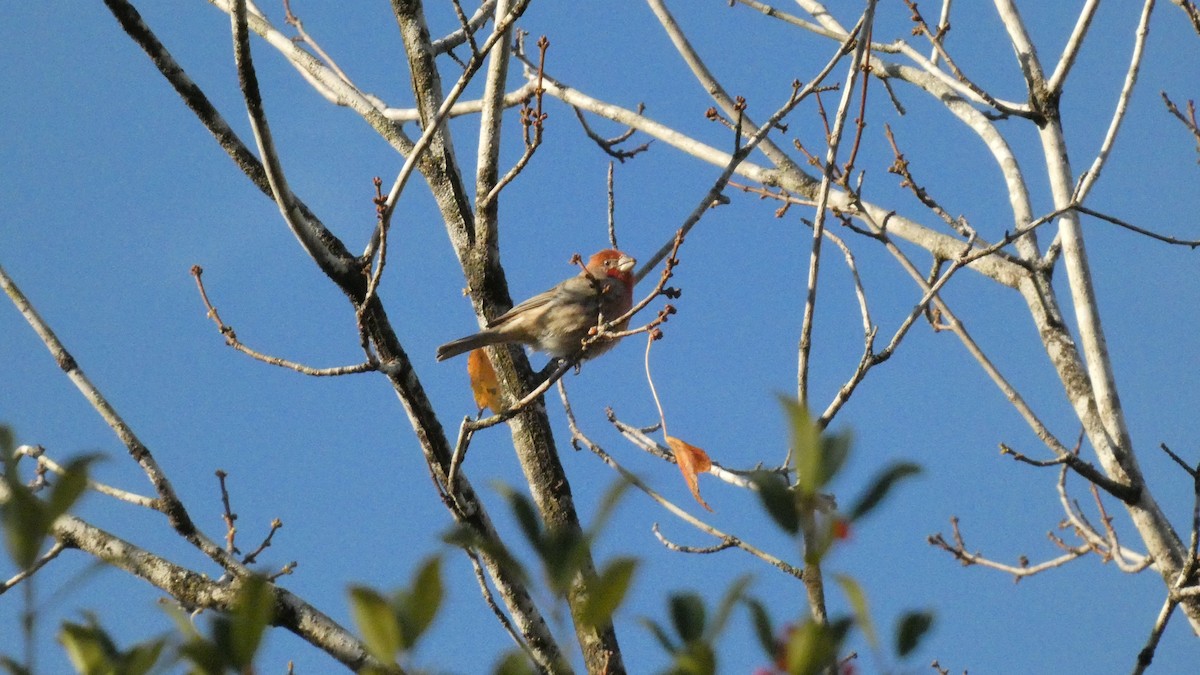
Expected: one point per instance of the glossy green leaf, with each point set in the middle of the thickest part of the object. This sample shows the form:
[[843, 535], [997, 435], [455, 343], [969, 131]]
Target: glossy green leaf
[[206, 657], [11, 667], [725, 606], [563, 552], [911, 630], [880, 486], [69, 487], [464, 537], [696, 658], [805, 443], [778, 500], [376, 622], [813, 647], [608, 504], [835, 448], [253, 611], [858, 603], [183, 622], [659, 634], [688, 615], [90, 648], [526, 515], [141, 658], [420, 604], [762, 626], [609, 589], [514, 662]]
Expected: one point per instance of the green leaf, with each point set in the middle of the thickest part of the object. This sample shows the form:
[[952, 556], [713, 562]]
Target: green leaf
[[880, 486], [762, 626], [563, 552], [377, 622], [140, 659], [835, 448], [90, 649], [466, 538], [8, 442], [911, 630], [183, 622], [687, 614], [514, 662], [419, 605], [207, 657], [659, 634], [25, 522], [608, 505], [805, 442], [778, 500], [12, 667], [858, 603], [813, 647], [725, 607], [526, 515], [608, 591], [252, 612], [69, 487], [696, 658]]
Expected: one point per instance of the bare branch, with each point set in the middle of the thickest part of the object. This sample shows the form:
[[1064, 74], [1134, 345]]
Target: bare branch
[[1189, 121], [1071, 50], [1088, 178], [578, 436], [231, 339], [38, 564], [168, 502]]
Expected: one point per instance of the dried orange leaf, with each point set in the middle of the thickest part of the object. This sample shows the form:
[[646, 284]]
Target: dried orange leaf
[[484, 385], [692, 460], [841, 528]]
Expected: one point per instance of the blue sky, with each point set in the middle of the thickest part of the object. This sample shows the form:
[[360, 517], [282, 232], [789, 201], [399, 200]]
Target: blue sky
[[112, 191]]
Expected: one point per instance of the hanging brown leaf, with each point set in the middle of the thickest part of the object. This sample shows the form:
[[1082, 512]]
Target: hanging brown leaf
[[484, 384], [692, 460]]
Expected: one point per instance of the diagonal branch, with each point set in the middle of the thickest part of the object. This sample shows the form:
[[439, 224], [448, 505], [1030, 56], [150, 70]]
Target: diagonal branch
[[167, 501]]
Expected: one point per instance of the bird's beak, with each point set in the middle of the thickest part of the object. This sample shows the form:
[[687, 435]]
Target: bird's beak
[[626, 263]]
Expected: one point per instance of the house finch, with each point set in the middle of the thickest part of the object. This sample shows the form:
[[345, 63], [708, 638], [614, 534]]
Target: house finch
[[557, 321]]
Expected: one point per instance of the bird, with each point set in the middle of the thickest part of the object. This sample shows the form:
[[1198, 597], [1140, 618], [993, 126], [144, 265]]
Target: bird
[[557, 321]]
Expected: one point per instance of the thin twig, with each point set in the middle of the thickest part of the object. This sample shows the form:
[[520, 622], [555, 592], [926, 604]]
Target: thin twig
[[490, 600], [1019, 571], [726, 543], [1089, 177], [531, 118], [609, 145], [1146, 655], [577, 436], [231, 339], [1191, 243], [458, 37], [303, 36], [168, 501], [37, 453], [227, 515], [612, 208], [252, 556], [38, 564], [833, 139]]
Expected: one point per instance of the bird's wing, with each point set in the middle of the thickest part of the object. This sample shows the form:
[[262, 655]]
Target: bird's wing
[[532, 303]]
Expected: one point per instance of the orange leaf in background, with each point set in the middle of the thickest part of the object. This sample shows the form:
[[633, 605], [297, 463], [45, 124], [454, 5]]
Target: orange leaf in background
[[841, 528], [484, 385], [692, 460]]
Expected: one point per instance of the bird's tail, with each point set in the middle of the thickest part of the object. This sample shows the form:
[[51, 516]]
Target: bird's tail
[[466, 344]]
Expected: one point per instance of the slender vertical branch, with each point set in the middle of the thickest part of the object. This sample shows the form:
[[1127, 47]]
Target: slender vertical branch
[[814, 258]]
